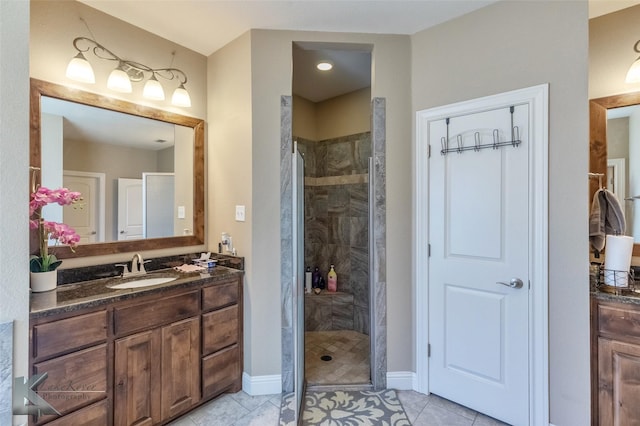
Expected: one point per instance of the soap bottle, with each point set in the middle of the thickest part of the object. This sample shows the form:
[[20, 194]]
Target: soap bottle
[[332, 280], [307, 280], [315, 280]]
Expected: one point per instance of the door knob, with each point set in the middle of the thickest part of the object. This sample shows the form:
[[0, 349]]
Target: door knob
[[514, 283]]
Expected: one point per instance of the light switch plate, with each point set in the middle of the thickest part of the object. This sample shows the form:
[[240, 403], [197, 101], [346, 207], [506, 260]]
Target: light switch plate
[[240, 213], [181, 212]]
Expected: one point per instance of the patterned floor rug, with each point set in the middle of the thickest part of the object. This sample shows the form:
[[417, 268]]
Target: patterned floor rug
[[347, 408]]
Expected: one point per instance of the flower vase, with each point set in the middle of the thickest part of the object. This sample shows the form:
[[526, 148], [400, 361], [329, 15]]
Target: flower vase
[[43, 281]]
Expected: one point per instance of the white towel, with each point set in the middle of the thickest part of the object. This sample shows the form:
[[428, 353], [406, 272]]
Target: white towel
[[189, 268], [607, 218]]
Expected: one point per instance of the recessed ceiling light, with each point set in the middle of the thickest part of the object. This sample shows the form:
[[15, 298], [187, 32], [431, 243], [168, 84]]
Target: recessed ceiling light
[[324, 66]]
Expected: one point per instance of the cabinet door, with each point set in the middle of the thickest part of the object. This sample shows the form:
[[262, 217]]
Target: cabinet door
[[180, 366], [137, 379], [619, 375]]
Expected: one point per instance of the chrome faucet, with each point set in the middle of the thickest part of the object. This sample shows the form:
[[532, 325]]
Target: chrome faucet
[[137, 265]]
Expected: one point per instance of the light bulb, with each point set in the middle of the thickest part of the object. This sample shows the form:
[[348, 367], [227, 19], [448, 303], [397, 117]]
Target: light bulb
[[119, 81], [633, 75], [153, 89], [324, 66], [181, 97], [79, 69]]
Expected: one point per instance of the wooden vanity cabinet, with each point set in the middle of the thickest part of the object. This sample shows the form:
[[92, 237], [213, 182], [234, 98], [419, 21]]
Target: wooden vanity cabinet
[[615, 363], [157, 371], [152, 358], [221, 338], [73, 352]]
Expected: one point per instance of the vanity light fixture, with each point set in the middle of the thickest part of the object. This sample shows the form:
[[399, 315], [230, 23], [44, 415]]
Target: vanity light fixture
[[324, 65], [79, 69], [633, 75]]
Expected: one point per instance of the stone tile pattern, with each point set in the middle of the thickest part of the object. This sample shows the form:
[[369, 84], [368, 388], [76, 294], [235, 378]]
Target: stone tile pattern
[[6, 372], [349, 351], [379, 245], [286, 244], [328, 311], [237, 409], [337, 217], [240, 409], [432, 410]]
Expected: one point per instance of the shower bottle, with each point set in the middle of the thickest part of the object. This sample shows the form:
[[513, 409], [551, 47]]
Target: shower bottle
[[332, 280]]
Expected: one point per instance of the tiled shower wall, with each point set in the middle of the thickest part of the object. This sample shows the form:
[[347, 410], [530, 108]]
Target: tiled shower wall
[[337, 214]]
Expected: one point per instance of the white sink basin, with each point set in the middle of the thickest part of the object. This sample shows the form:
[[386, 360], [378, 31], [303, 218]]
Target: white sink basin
[[142, 282]]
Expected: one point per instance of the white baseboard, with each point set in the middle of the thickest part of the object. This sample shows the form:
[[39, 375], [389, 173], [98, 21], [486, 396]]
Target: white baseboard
[[261, 385], [269, 385], [401, 380]]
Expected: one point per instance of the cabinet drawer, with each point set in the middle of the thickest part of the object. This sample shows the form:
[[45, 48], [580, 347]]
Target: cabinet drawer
[[619, 320], [75, 380], [220, 370], [93, 415], [155, 313], [220, 295], [219, 329], [66, 335]]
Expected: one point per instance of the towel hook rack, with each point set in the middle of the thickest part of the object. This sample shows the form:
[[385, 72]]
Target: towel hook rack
[[477, 145], [599, 176]]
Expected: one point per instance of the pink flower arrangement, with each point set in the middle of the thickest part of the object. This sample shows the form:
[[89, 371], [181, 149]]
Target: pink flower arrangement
[[48, 230]]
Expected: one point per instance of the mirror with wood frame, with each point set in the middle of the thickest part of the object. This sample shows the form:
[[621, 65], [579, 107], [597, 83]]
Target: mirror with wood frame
[[598, 141], [44, 91]]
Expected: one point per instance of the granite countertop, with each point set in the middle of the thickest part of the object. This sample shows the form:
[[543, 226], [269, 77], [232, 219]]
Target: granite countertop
[[86, 294], [627, 296]]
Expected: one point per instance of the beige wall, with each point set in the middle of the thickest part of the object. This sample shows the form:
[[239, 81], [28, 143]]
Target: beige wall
[[611, 40], [340, 116], [230, 161], [14, 173], [511, 45], [344, 115], [257, 156], [304, 118]]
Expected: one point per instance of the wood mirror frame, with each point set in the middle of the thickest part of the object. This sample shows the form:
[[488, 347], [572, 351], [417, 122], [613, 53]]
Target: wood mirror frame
[[41, 88], [598, 137]]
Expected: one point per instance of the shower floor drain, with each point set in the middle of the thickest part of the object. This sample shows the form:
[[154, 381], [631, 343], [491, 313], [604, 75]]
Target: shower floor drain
[[326, 358]]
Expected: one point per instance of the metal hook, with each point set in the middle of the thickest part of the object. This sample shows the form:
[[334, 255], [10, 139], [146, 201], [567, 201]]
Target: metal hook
[[476, 137], [496, 138], [459, 140], [33, 177]]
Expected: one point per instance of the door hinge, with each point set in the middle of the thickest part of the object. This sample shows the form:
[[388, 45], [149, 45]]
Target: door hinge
[[428, 250], [429, 151], [428, 350]]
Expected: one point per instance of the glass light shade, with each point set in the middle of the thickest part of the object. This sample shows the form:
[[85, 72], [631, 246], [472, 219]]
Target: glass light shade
[[181, 97], [153, 89], [324, 66], [79, 69], [119, 81], [633, 75]]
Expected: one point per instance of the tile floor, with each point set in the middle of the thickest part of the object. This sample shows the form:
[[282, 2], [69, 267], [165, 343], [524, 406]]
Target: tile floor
[[349, 352], [240, 409], [349, 365]]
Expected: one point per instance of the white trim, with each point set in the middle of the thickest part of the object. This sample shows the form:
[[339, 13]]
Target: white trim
[[261, 385], [619, 178], [537, 97], [401, 380]]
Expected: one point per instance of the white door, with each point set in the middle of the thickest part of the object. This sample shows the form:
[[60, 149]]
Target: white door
[[85, 216], [479, 240], [129, 209]]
